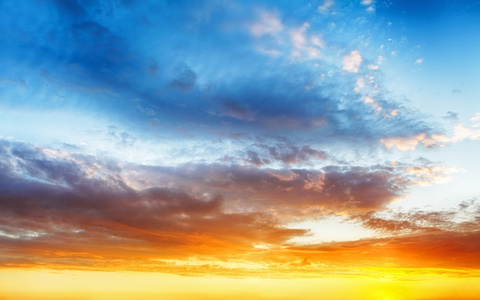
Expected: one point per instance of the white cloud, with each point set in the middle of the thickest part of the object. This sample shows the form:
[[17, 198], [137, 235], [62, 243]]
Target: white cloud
[[270, 52], [476, 120], [268, 24], [304, 47], [326, 6], [401, 143], [298, 35], [430, 175], [351, 62], [407, 144], [462, 132], [317, 41]]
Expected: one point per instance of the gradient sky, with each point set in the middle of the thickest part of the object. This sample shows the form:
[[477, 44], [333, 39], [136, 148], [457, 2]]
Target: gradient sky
[[252, 140]]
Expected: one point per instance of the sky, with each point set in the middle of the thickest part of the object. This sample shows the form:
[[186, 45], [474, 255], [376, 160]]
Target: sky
[[261, 149]]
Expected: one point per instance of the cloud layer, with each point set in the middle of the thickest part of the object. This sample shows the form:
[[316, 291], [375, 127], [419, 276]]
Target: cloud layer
[[74, 211], [192, 137]]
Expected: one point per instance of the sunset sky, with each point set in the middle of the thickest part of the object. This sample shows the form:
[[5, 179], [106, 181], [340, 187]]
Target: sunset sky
[[240, 149]]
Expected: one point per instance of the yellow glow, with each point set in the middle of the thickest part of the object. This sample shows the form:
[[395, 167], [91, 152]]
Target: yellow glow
[[44, 284]]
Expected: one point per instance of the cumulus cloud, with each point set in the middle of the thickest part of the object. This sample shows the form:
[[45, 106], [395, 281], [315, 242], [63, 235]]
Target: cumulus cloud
[[352, 61]]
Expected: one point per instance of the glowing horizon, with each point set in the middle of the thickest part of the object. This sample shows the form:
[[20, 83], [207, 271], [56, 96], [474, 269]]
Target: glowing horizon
[[240, 149]]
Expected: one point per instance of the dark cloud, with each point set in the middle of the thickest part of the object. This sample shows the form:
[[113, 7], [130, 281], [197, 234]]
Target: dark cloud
[[69, 210], [452, 116], [184, 78], [286, 153], [76, 203], [154, 68], [290, 154], [254, 158], [331, 189], [237, 111], [459, 219]]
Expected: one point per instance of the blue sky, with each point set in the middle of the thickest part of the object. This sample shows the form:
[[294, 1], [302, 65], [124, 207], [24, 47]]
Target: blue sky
[[309, 113]]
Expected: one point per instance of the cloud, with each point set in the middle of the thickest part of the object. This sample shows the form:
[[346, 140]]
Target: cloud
[[331, 189], [303, 47], [352, 61], [325, 7], [184, 78], [403, 143], [268, 24], [431, 249], [451, 116], [335, 189], [429, 175], [286, 153], [236, 110], [235, 144], [124, 138], [68, 210], [98, 65], [76, 202], [460, 133], [254, 158]]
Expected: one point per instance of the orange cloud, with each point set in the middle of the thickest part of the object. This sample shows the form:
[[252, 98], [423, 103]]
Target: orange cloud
[[68, 211]]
